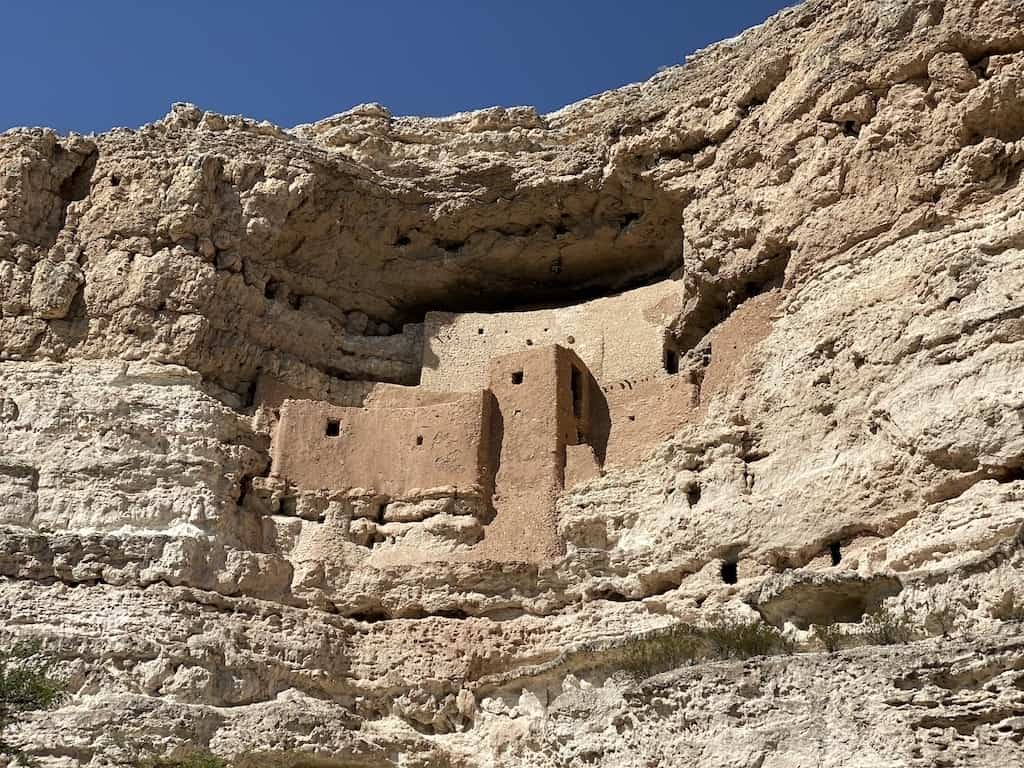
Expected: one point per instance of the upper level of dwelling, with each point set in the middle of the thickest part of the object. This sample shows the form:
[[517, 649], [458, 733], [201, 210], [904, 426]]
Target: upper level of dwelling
[[619, 338], [514, 409]]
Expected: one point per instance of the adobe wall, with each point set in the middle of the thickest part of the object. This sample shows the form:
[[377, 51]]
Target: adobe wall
[[535, 420], [630, 417], [398, 396], [271, 391], [392, 451], [617, 337], [733, 340], [645, 412], [518, 443]]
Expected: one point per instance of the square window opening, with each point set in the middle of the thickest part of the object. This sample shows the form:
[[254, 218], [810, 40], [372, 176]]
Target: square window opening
[[517, 377], [333, 428]]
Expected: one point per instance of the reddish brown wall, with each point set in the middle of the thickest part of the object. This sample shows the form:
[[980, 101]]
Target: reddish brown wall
[[643, 413], [581, 465], [520, 444], [377, 447], [633, 416], [272, 391], [523, 443], [733, 341], [535, 421]]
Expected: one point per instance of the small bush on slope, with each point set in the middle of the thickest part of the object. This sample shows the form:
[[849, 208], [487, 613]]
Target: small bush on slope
[[831, 636], [735, 639], [885, 627], [721, 639], [663, 650], [27, 684]]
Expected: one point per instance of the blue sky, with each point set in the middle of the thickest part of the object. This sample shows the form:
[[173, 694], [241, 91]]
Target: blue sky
[[90, 65]]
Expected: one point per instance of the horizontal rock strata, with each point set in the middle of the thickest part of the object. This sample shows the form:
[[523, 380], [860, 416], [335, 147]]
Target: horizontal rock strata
[[837, 193]]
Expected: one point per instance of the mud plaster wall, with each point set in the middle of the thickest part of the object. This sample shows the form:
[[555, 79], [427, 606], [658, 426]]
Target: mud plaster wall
[[394, 451], [535, 422], [732, 343], [397, 396], [272, 391], [617, 337], [632, 416], [645, 412], [629, 418], [521, 437]]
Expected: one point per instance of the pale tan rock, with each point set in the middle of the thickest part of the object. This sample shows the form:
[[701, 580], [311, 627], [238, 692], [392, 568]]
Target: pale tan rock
[[837, 192]]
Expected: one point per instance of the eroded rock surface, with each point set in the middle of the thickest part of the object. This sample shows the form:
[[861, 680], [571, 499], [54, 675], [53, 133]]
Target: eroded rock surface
[[837, 193]]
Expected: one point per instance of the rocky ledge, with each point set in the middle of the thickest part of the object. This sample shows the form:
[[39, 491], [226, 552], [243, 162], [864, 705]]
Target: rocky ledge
[[841, 527]]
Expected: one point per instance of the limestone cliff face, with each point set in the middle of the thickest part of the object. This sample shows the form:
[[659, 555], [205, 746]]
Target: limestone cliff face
[[856, 165]]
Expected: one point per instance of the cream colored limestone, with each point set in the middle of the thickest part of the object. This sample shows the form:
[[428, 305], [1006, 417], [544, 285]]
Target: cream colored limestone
[[836, 194]]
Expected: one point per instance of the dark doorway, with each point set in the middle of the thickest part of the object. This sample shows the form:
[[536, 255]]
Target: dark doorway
[[729, 573], [671, 361], [576, 384], [836, 551]]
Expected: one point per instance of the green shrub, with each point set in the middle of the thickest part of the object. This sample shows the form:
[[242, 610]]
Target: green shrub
[[831, 636], [721, 639], [663, 650], [736, 639], [197, 758], [27, 684], [885, 627]]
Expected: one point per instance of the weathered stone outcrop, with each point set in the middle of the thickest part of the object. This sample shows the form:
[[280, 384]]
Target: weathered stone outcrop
[[837, 192]]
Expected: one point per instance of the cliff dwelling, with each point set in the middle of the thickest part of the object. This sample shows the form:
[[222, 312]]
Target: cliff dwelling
[[512, 409], [680, 426]]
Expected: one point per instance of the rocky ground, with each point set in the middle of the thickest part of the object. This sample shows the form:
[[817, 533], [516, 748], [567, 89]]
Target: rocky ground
[[863, 159]]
